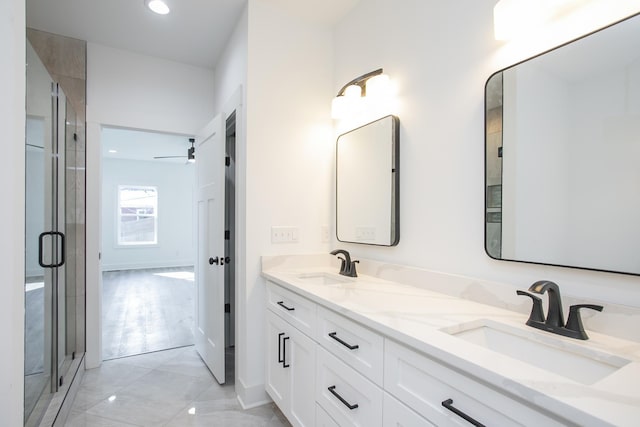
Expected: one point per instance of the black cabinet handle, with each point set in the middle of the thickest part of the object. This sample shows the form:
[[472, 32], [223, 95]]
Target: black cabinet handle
[[284, 352], [280, 359], [281, 304], [449, 405], [214, 261], [349, 346], [333, 391]]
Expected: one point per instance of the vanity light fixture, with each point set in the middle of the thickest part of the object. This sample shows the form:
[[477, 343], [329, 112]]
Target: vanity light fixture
[[191, 152], [157, 6], [352, 96]]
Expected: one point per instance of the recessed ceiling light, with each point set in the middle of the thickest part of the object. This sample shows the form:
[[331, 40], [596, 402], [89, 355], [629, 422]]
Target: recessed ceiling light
[[157, 6], [113, 151]]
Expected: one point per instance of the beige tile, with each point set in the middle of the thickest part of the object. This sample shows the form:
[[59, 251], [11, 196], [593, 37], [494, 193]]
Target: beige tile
[[61, 55]]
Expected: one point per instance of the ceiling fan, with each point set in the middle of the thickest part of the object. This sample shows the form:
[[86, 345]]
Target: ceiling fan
[[191, 153]]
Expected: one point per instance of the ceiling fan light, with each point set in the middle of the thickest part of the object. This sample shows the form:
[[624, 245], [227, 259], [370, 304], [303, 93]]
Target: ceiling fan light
[[157, 6]]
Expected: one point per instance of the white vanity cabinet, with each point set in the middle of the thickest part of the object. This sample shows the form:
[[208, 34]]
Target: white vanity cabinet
[[356, 345], [348, 397], [323, 419], [427, 386], [290, 372], [395, 414], [325, 369]]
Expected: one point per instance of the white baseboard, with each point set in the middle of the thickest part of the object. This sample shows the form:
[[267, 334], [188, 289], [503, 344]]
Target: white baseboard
[[251, 397], [143, 265]]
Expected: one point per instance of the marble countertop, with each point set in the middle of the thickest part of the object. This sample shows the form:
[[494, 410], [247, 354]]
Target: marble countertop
[[427, 321]]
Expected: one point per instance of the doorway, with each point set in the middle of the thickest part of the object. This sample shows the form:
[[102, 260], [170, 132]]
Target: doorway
[[147, 242]]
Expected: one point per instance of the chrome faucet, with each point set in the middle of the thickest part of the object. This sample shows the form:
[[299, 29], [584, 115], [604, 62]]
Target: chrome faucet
[[347, 267], [554, 321]]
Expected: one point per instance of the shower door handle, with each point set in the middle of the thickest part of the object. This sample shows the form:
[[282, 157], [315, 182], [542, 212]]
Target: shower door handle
[[41, 237]]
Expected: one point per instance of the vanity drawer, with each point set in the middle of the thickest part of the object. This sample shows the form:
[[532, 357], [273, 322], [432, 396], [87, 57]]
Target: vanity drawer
[[323, 419], [424, 384], [395, 414], [354, 344], [297, 310], [349, 398]]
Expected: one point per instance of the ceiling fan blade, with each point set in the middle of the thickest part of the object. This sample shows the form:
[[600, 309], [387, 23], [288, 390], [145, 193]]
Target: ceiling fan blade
[[169, 157]]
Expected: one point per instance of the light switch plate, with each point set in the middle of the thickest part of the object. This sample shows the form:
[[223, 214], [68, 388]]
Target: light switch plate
[[282, 234]]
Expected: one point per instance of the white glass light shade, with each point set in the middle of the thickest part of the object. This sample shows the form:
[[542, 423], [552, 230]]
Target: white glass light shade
[[378, 86], [346, 104], [338, 107], [158, 6], [353, 91]]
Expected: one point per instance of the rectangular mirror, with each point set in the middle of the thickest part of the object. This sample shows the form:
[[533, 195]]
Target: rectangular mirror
[[367, 184], [562, 155]]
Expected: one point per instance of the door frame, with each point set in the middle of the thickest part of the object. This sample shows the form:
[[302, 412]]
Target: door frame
[[93, 355]]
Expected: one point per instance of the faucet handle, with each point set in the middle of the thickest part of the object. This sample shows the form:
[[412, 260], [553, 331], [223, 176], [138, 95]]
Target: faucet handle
[[537, 314], [352, 268], [343, 265], [574, 322]]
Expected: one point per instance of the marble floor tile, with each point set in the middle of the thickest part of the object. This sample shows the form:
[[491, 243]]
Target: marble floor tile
[[84, 419], [154, 359], [141, 411], [166, 388], [187, 363]]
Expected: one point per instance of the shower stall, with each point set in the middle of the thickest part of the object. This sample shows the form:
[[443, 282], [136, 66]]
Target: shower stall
[[54, 297]]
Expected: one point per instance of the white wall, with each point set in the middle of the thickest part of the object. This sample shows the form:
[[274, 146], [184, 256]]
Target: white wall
[[142, 92], [441, 53], [289, 160], [174, 182], [12, 123]]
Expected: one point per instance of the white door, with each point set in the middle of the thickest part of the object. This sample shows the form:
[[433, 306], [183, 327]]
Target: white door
[[210, 258]]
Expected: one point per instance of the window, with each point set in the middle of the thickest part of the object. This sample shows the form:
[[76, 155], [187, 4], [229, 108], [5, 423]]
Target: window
[[137, 215]]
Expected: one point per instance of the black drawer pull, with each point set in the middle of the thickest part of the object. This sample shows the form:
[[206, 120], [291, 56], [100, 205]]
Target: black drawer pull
[[333, 391], [449, 405], [284, 352], [281, 304], [349, 346], [280, 358]]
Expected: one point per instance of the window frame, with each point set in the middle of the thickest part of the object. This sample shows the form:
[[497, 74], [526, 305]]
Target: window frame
[[119, 216]]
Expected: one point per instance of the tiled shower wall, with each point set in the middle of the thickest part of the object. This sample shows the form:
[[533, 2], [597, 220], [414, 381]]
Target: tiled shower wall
[[66, 61]]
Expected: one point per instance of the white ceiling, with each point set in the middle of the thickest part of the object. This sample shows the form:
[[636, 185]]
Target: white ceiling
[[195, 32], [143, 145]]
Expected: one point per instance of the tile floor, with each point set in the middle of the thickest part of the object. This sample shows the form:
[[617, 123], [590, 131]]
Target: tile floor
[[165, 388], [146, 310]]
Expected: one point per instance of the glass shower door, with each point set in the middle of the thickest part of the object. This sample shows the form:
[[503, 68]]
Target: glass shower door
[[45, 303]]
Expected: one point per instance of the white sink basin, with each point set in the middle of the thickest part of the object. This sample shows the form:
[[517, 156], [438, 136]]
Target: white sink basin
[[576, 362], [322, 278]]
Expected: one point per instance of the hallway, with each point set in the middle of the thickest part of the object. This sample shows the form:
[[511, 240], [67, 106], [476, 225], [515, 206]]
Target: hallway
[[165, 388]]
